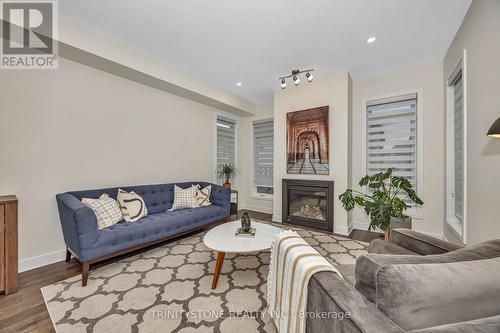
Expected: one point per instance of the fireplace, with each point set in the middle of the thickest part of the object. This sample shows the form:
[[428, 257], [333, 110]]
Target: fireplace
[[308, 203]]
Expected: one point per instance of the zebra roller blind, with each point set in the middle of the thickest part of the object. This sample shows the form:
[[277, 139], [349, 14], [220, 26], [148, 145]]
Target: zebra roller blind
[[458, 144], [226, 129], [392, 136], [263, 152]]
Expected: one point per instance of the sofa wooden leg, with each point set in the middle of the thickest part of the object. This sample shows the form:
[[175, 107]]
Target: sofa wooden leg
[[85, 273], [68, 255]]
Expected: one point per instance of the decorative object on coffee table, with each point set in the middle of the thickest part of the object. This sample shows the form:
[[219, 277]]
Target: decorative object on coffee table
[[222, 239], [249, 233], [388, 199], [246, 223], [226, 172]]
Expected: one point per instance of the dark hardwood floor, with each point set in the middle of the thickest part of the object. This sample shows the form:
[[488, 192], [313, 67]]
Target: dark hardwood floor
[[25, 310]]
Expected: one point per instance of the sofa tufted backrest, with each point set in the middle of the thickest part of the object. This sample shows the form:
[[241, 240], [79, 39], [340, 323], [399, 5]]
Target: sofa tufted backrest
[[158, 198]]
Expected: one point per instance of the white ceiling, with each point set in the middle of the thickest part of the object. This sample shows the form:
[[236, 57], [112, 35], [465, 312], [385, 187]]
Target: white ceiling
[[255, 41]]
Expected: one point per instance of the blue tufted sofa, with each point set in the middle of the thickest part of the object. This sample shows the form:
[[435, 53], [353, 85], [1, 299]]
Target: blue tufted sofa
[[89, 245]]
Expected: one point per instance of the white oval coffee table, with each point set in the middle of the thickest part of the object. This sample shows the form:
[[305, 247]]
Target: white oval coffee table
[[222, 239]]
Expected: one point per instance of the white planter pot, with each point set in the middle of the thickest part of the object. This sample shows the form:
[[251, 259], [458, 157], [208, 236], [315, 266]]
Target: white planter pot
[[400, 223]]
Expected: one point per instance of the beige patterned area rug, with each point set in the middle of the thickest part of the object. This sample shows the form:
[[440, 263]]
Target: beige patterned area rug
[[168, 289]]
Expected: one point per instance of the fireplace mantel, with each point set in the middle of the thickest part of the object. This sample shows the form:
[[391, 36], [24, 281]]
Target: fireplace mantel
[[308, 203]]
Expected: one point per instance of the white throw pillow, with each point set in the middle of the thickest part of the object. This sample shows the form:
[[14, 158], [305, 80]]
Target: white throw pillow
[[106, 210], [184, 198], [132, 205], [203, 195]]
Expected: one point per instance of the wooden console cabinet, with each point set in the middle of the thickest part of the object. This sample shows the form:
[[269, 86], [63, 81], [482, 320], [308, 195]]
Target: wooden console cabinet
[[8, 244]]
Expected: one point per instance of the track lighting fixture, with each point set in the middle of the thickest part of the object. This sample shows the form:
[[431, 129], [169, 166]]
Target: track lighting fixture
[[283, 84], [295, 78]]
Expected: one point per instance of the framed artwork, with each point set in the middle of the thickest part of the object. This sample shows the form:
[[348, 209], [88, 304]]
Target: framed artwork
[[307, 146]]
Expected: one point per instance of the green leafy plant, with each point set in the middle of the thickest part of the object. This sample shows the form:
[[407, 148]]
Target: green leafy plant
[[385, 200], [226, 172]]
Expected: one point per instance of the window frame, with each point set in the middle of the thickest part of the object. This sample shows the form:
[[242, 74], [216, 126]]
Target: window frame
[[456, 225], [415, 212], [254, 194], [216, 180]]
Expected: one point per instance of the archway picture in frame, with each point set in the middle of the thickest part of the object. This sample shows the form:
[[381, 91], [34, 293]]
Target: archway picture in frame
[[307, 146]]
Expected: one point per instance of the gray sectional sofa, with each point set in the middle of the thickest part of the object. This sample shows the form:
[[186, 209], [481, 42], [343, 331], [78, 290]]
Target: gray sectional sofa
[[414, 283]]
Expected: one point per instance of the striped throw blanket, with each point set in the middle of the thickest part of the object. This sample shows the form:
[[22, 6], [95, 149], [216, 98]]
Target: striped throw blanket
[[293, 262]]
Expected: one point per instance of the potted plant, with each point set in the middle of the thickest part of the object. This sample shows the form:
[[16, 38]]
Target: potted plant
[[386, 201], [226, 172]]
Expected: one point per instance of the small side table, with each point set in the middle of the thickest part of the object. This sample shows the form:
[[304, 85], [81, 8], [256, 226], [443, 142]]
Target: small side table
[[234, 205]]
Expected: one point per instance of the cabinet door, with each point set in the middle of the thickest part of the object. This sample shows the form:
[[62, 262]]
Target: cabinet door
[[10, 245], [2, 248]]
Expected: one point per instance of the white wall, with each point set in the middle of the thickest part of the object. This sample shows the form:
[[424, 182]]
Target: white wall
[[78, 128], [331, 91], [426, 81], [479, 35], [245, 166]]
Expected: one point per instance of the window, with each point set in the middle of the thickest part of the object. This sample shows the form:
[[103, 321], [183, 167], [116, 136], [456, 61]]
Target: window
[[392, 136], [458, 145], [456, 153], [263, 154], [226, 141]]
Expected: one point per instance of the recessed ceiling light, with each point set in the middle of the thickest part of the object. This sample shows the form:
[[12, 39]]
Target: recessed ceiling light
[[371, 39], [239, 84]]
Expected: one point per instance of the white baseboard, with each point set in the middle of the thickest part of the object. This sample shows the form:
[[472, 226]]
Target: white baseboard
[[41, 260], [363, 225], [341, 230], [435, 235], [277, 218]]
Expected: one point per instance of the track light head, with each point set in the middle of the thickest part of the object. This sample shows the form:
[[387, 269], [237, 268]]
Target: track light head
[[309, 77], [283, 84], [296, 80]]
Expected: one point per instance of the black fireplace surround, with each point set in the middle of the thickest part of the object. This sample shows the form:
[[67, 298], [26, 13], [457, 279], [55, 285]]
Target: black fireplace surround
[[308, 203]]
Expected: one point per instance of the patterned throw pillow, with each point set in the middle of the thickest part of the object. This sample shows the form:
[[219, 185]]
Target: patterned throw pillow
[[106, 210], [184, 198], [203, 195], [132, 205]]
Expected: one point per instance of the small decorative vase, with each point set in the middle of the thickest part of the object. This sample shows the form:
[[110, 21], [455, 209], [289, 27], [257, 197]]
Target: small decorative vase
[[227, 185], [246, 224]]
